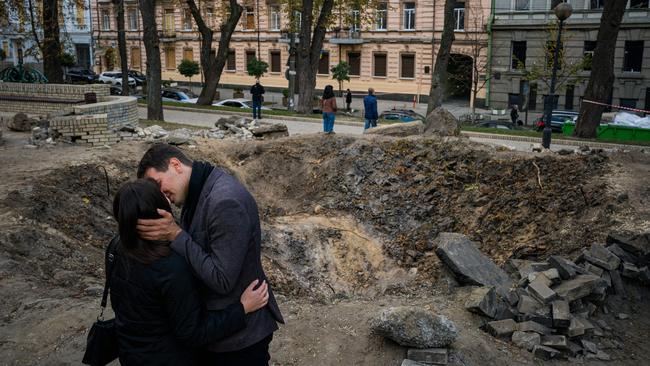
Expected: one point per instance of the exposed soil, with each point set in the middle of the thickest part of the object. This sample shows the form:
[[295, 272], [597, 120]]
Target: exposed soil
[[348, 228]]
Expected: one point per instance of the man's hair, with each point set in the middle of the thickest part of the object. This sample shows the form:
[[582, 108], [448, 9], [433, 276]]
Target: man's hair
[[371, 91], [158, 156]]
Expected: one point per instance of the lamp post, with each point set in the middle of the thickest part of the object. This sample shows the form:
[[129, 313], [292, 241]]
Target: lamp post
[[562, 12]]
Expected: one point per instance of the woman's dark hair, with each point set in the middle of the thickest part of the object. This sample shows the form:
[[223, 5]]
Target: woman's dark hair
[[328, 92], [135, 200], [158, 156]]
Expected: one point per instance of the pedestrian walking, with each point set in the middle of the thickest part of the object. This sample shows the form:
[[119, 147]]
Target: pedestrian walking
[[370, 109], [256, 91], [328, 106], [514, 114], [348, 100]]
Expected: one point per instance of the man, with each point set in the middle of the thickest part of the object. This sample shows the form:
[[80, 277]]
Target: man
[[219, 236], [256, 91], [370, 109], [514, 114], [348, 99]]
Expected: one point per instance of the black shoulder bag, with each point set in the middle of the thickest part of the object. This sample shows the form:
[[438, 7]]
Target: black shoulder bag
[[101, 345]]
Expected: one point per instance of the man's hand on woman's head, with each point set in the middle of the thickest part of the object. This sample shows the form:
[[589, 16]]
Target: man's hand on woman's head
[[162, 229]]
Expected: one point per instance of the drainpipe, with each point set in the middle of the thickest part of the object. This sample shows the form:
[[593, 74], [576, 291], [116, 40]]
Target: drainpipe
[[489, 55]]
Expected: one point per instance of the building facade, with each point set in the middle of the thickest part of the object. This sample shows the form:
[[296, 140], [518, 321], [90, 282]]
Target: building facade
[[17, 36], [389, 47], [519, 38]]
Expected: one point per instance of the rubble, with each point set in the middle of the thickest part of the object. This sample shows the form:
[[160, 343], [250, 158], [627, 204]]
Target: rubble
[[441, 122], [428, 356], [397, 129], [415, 327], [556, 299]]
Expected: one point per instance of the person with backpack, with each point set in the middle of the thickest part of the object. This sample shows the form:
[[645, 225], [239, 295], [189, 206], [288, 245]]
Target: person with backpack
[[370, 109], [328, 106]]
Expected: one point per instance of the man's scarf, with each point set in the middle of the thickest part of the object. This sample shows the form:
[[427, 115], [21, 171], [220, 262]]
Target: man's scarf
[[200, 173]]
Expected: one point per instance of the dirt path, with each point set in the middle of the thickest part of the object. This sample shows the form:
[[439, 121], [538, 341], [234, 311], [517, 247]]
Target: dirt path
[[348, 224]]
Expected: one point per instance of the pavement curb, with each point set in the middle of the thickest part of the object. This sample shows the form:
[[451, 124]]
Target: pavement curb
[[591, 144]]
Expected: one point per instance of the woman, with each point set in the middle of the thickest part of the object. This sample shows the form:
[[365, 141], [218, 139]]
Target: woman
[[159, 316], [328, 106]]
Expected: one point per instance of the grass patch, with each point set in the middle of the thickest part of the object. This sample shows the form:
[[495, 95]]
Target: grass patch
[[532, 133]]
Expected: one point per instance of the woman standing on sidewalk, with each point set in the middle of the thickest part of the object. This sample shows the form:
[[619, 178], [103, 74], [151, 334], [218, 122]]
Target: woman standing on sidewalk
[[328, 106]]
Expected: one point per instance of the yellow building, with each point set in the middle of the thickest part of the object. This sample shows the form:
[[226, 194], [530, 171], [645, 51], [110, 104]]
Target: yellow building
[[390, 48]]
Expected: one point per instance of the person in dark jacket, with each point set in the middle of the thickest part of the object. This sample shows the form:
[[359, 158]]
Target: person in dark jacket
[[348, 99], [370, 109], [159, 315], [514, 114], [220, 237], [256, 91], [328, 106]]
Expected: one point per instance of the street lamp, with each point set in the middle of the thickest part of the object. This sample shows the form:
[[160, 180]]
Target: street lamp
[[562, 12]]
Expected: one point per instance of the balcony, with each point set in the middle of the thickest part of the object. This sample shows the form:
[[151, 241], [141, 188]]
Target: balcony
[[285, 37], [167, 35], [346, 37]]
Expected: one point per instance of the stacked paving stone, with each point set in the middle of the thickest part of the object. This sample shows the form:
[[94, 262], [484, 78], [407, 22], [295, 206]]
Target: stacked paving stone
[[89, 129], [548, 309]]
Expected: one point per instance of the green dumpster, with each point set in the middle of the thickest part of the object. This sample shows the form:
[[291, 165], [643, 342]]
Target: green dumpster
[[613, 132]]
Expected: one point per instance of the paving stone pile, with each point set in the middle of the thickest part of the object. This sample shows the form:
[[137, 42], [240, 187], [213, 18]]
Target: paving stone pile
[[547, 307]]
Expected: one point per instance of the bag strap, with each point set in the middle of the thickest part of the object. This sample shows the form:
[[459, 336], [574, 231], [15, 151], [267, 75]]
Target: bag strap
[[109, 259]]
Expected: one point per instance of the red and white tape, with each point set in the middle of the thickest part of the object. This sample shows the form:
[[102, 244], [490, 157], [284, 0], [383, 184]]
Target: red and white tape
[[616, 106]]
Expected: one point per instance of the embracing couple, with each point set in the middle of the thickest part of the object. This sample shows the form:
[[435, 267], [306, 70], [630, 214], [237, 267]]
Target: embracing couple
[[192, 292]]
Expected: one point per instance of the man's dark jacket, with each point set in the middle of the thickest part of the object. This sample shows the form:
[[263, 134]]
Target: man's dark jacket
[[256, 91], [160, 316], [223, 246], [370, 107]]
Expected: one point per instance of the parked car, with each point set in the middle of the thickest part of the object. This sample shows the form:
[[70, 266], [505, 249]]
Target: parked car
[[77, 75], [117, 90], [558, 118], [139, 77], [114, 78], [175, 95], [400, 115], [237, 103]]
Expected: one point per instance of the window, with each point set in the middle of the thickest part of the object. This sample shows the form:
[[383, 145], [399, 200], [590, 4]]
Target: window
[[136, 58], [81, 14], [275, 17], [647, 100], [168, 22], [249, 56], [187, 19], [276, 61], [518, 54], [459, 16], [297, 19], [249, 18], [590, 47], [382, 16], [568, 97], [532, 97], [355, 18], [210, 17], [379, 65], [188, 54], [231, 64], [170, 58], [132, 18], [106, 20], [630, 103], [639, 4], [522, 4], [354, 59], [5, 47], [408, 66], [324, 63], [597, 4], [408, 23], [633, 56]]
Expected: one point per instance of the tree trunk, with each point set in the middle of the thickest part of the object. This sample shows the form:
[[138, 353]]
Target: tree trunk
[[121, 44], [152, 50], [212, 64], [439, 76], [308, 53], [601, 79], [51, 50]]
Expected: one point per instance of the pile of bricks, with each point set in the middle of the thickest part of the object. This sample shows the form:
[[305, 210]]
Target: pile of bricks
[[89, 129], [557, 299]]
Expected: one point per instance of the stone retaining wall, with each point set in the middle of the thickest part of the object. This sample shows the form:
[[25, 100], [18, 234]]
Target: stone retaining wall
[[89, 129], [121, 111], [54, 91]]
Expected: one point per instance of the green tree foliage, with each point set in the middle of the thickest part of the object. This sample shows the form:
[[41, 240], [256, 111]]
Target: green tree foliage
[[67, 60], [341, 73], [188, 68], [257, 68]]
